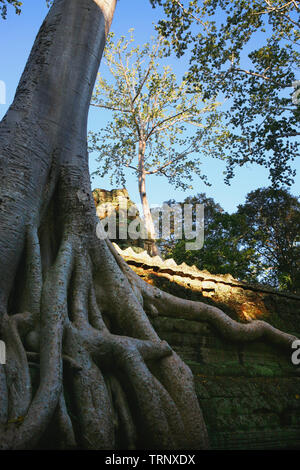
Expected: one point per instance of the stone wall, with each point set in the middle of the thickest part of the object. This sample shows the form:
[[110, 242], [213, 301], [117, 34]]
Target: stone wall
[[110, 204], [105, 199], [249, 394]]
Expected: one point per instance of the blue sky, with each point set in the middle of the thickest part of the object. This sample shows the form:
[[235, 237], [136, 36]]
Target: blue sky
[[17, 34]]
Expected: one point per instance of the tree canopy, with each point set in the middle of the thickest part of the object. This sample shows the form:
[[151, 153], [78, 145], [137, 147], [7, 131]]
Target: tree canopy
[[148, 103], [272, 218], [14, 3], [151, 113], [247, 51]]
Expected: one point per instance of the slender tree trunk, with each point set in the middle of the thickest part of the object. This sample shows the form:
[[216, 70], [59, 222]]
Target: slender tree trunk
[[84, 366], [151, 235]]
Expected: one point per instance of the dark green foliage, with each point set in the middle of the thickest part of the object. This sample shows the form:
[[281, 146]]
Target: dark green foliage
[[273, 220], [248, 52], [3, 7], [223, 251], [258, 243]]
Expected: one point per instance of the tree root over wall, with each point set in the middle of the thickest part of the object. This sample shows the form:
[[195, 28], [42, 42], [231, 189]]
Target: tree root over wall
[[104, 379]]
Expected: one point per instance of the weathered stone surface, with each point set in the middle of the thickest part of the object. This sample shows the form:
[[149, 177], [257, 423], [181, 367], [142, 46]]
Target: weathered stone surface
[[117, 203], [107, 201], [240, 300], [250, 394]]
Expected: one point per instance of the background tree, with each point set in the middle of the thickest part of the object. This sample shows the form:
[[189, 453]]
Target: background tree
[[151, 112], [70, 307], [248, 52], [224, 250], [260, 243], [273, 220]]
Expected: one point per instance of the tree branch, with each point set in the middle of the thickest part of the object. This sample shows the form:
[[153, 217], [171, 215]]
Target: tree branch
[[147, 74], [112, 108], [161, 168], [189, 13], [157, 126], [133, 168]]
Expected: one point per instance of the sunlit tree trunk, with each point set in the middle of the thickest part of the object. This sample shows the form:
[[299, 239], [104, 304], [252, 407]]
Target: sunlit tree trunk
[[149, 225]]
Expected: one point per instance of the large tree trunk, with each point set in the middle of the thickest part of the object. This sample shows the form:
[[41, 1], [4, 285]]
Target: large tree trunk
[[84, 369]]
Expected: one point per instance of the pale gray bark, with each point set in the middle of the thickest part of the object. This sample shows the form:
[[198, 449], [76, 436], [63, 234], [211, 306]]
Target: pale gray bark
[[149, 225]]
